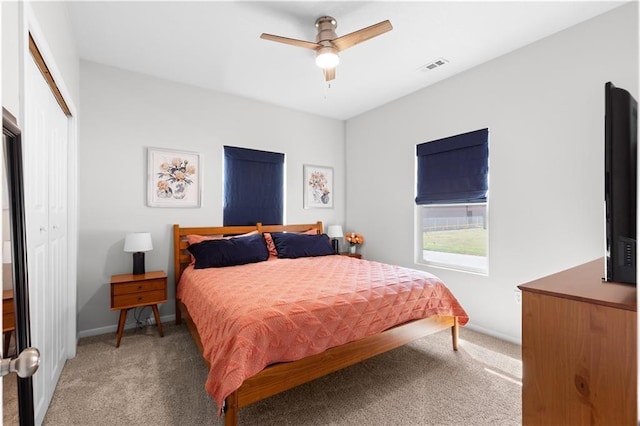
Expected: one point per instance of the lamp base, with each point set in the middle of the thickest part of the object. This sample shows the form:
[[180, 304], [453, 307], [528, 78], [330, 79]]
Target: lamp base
[[138, 263], [336, 245]]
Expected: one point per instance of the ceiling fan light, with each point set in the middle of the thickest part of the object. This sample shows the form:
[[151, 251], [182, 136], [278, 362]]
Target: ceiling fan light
[[327, 58]]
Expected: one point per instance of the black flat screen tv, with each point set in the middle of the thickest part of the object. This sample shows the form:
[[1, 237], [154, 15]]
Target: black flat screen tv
[[621, 141]]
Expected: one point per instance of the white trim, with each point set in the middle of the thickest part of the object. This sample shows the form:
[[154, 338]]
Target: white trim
[[1, 194], [452, 266], [72, 231], [114, 328]]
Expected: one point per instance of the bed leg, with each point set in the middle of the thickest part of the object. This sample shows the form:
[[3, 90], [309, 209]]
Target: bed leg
[[178, 314], [231, 410], [454, 333]]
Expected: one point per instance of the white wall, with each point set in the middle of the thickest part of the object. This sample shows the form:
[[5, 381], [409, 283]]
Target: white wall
[[544, 107], [123, 114], [10, 59], [50, 21]]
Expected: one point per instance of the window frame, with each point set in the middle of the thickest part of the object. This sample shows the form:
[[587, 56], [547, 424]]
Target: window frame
[[460, 178], [267, 162]]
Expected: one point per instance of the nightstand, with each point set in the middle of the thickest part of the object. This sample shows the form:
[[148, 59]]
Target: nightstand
[[8, 319], [356, 255], [131, 291]]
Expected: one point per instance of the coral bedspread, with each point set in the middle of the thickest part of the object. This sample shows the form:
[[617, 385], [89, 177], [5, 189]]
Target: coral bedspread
[[254, 315]]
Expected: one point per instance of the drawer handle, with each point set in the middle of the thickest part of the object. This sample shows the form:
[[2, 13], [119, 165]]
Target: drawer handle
[[139, 299], [139, 287]]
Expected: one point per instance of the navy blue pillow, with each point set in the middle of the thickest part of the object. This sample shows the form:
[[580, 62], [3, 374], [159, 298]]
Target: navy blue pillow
[[292, 246], [231, 252]]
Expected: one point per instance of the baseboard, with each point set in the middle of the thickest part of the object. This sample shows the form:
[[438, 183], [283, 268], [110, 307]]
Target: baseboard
[[494, 333], [128, 325]]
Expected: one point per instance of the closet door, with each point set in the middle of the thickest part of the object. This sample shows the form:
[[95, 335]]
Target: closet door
[[57, 327], [45, 166]]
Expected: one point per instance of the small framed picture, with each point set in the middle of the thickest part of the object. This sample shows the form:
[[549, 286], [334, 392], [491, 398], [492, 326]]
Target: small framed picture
[[318, 187], [174, 178]]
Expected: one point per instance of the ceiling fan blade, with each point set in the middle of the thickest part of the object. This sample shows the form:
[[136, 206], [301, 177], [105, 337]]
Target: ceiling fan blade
[[291, 41], [329, 74], [359, 36]]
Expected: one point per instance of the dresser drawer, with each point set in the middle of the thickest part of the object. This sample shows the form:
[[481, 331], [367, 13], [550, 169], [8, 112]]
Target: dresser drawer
[[138, 299], [7, 306], [8, 321], [8, 315], [138, 287]]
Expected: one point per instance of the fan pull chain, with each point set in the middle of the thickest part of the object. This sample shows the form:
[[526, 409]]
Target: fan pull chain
[[326, 89]]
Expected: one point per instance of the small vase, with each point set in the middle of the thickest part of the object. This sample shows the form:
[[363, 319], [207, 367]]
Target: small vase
[[352, 249], [179, 189]]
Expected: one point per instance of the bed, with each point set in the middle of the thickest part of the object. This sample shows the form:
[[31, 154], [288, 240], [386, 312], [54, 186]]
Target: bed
[[243, 371]]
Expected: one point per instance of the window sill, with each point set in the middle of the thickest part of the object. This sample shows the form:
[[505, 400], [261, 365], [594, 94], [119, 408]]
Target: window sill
[[456, 262]]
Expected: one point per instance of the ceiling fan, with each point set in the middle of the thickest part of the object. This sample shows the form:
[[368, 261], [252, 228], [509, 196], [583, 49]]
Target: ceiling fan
[[328, 44]]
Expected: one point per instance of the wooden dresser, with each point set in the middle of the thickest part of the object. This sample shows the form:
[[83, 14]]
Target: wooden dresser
[[579, 355]]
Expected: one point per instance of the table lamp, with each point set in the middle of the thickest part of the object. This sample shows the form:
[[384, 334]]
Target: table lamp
[[138, 243], [335, 232]]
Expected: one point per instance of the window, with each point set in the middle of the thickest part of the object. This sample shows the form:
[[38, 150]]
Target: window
[[253, 187], [455, 235], [452, 187]]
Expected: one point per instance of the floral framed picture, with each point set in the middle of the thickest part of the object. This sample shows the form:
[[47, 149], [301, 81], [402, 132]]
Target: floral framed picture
[[174, 178], [318, 187]]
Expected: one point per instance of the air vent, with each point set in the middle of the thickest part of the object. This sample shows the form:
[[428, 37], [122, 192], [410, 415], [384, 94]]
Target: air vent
[[437, 63]]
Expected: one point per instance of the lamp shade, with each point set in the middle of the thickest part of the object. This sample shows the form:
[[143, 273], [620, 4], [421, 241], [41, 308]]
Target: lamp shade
[[335, 231], [138, 242]]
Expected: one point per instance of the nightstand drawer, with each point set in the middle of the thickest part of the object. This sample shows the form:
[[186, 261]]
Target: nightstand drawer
[[8, 321], [138, 287], [7, 306], [136, 299], [8, 313]]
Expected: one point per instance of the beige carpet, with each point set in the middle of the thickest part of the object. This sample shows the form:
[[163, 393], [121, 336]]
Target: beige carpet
[[160, 381]]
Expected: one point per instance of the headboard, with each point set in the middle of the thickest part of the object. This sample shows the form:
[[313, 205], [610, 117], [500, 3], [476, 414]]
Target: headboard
[[182, 258]]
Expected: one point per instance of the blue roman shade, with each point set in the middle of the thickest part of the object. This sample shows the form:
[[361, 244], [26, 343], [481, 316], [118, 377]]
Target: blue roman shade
[[253, 187], [454, 170]]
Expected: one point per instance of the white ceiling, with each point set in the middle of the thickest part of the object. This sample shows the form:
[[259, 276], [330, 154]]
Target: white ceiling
[[216, 44]]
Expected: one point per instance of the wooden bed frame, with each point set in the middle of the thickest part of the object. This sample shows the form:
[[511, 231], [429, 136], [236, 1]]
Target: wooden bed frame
[[277, 378]]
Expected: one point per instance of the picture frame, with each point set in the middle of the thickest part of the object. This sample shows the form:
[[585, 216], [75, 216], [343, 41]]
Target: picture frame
[[318, 187], [174, 178]]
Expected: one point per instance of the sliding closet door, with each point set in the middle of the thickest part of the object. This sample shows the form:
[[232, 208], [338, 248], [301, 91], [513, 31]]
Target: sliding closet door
[[45, 167]]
